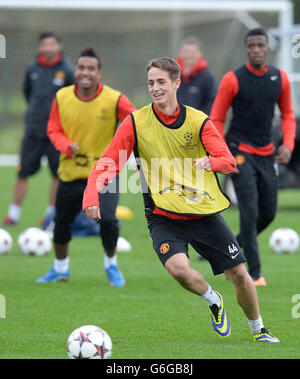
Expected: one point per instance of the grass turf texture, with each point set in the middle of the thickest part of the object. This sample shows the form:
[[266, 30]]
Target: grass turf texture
[[152, 317]]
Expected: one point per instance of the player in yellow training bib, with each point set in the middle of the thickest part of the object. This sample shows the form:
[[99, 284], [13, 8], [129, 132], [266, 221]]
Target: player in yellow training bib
[[172, 143], [82, 123]]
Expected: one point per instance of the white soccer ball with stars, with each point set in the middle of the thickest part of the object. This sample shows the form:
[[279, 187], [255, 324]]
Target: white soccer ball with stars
[[89, 342], [284, 241], [5, 242], [34, 241]]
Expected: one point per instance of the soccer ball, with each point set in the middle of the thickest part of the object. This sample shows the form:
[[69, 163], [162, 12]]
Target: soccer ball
[[89, 342], [284, 241], [123, 245], [5, 242], [34, 241]]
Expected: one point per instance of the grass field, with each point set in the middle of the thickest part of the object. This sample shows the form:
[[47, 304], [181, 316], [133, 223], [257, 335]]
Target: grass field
[[152, 317]]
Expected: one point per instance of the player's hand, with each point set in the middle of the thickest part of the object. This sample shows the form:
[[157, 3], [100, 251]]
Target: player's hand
[[234, 171], [203, 163], [93, 212], [73, 147], [283, 155]]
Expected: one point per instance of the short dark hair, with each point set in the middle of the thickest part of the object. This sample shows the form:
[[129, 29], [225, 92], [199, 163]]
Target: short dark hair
[[256, 32], [166, 64], [90, 52], [49, 35]]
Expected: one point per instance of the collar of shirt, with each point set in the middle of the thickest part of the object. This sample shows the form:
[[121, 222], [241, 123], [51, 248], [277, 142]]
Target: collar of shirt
[[200, 66], [99, 88], [42, 60], [167, 118], [257, 72]]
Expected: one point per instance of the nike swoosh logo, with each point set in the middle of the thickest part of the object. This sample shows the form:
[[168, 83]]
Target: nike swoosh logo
[[234, 256]]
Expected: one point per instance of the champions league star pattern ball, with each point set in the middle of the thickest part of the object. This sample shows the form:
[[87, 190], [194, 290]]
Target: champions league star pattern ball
[[5, 242], [284, 241], [89, 342], [34, 241]]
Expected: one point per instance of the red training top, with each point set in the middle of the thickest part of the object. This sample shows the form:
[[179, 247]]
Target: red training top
[[228, 91]]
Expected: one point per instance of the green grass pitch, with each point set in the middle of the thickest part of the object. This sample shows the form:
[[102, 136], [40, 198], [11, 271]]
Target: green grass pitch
[[152, 317]]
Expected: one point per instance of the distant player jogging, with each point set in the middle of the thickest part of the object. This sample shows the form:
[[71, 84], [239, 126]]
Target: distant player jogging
[[44, 77], [82, 123], [180, 212], [252, 91]]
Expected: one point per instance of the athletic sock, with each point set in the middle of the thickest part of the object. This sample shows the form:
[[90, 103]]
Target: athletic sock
[[50, 209], [256, 325], [61, 265], [212, 297], [108, 261], [14, 212]]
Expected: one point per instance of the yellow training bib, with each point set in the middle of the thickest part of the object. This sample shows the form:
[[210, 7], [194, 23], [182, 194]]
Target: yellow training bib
[[166, 154], [91, 124]]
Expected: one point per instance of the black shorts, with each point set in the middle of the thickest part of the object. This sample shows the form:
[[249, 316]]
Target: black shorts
[[32, 150], [209, 236]]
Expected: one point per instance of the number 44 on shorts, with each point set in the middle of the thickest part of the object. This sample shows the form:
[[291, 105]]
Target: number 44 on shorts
[[233, 250]]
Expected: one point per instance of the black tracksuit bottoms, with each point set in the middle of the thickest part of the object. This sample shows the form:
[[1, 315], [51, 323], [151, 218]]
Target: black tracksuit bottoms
[[256, 190], [69, 204]]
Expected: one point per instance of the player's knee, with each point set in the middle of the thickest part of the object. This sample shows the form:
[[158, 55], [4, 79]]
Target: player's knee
[[180, 274], [62, 233], [238, 275], [109, 232], [269, 216], [179, 271], [249, 216]]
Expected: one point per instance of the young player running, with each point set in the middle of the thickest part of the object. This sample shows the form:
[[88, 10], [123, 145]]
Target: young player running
[[181, 213]]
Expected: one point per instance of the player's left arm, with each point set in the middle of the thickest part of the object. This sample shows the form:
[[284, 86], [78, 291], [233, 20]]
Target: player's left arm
[[288, 121], [124, 107], [220, 158]]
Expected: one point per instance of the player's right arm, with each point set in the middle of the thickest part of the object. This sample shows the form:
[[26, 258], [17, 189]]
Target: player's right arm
[[108, 166], [228, 89], [56, 134]]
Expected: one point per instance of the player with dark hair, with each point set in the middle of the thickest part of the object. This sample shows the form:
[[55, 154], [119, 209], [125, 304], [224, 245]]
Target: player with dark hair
[[252, 91], [43, 79], [256, 32], [49, 34], [182, 196], [82, 123]]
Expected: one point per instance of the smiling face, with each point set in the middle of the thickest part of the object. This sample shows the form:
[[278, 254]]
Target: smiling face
[[87, 73], [257, 50], [162, 89]]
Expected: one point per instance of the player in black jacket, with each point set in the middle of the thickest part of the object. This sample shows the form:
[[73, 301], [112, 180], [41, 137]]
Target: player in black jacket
[[43, 78], [198, 86]]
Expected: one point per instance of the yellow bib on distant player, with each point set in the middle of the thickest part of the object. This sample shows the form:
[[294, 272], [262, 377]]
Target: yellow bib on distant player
[[165, 155], [91, 124]]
